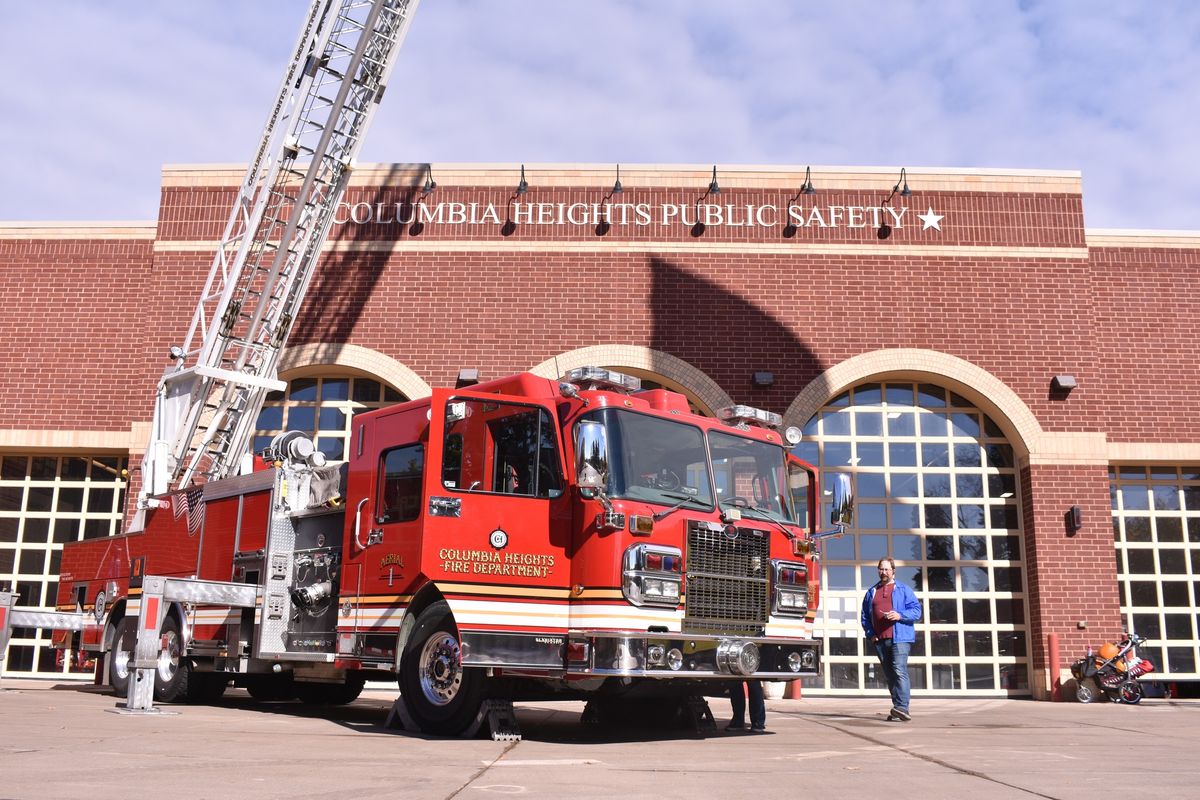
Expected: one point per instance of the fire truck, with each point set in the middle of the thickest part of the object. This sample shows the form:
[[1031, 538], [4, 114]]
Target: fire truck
[[521, 538], [527, 537]]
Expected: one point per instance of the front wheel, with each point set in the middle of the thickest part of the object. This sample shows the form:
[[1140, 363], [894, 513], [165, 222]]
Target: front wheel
[[441, 695], [1086, 691], [1131, 692]]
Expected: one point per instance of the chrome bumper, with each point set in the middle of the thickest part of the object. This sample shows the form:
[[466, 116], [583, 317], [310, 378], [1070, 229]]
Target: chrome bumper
[[676, 655]]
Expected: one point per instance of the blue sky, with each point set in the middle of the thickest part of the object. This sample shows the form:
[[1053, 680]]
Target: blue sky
[[108, 92]]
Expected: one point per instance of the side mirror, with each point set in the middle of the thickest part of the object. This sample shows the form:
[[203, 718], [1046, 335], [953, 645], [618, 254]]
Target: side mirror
[[842, 512], [591, 455], [841, 515]]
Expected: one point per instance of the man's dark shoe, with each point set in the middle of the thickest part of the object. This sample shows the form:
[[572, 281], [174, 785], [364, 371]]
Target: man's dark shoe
[[735, 727], [901, 714], [758, 728], [891, 717]]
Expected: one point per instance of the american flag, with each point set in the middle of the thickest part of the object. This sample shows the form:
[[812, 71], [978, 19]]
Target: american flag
[[190, 502]]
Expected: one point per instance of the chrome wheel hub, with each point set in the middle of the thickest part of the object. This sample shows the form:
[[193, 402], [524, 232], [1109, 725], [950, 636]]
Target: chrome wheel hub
[[168, 657], [441, 668]]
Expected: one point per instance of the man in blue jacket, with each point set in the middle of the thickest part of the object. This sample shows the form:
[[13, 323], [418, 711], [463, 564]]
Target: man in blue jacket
[[889, 612]]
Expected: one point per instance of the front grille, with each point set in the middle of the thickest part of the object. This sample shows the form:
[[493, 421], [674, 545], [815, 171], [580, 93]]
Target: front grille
[[726, 589]]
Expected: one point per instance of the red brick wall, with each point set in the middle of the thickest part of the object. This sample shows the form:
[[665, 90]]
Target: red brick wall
[[1147, 311], [1071, 575], [72, 314]]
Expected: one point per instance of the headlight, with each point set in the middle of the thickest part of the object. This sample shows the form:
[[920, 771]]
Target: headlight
[[652, 575], [790, 588]]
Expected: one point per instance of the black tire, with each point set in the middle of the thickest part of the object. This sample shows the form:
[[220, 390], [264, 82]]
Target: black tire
[[268, 688], [1086, 691], [330, 694], [1130, 692], [172, 674], [120, 656], [441, 696]]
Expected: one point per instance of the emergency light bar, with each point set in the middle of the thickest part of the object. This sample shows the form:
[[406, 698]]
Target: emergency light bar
[[599, 378], [749, 415]]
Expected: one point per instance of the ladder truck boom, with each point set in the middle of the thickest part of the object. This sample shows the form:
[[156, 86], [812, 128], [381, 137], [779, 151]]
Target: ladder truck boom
[[209, 398]]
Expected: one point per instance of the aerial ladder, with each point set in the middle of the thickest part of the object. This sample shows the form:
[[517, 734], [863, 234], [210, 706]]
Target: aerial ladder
[[209, 398]]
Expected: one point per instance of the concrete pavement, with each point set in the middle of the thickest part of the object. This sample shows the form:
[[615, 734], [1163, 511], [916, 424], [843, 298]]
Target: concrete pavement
[[57, 741]]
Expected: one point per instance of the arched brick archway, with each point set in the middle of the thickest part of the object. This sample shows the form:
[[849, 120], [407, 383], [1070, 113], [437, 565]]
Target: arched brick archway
[[363, 359], [702, 390]]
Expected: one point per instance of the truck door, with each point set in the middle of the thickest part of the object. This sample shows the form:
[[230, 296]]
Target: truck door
[[383, 551], [498, 525]]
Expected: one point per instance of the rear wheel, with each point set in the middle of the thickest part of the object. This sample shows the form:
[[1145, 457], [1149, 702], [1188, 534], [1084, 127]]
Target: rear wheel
[[171, 673], [120, 656], [441, 695]]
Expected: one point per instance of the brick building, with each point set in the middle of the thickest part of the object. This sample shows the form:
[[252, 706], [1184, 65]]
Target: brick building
[[981, 362]]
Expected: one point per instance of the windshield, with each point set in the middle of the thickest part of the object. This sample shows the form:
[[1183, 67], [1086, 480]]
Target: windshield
[[752, 476], [655, 460]]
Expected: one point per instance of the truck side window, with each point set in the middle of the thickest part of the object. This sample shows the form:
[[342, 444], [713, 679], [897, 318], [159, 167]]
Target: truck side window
[[400, 483], [504, 448]]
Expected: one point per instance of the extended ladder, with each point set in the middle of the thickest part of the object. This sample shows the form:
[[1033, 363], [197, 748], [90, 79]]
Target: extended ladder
[[209, 398]]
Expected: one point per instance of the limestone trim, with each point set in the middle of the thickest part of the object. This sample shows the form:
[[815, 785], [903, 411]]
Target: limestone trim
[[1078, 448], [704, 390], [79, 230], [665, 246], [128, 441], [1154, 452], [656, 176], [1150, 240], [352, 356]]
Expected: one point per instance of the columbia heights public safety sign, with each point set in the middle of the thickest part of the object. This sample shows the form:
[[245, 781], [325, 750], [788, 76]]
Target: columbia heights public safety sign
[[633, 215]]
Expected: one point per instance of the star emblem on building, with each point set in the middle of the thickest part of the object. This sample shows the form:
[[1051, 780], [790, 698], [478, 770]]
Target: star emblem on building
[[931, 220]]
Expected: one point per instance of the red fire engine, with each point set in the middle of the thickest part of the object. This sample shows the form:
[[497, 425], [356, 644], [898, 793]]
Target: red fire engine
[[522, 538], [526, 537]]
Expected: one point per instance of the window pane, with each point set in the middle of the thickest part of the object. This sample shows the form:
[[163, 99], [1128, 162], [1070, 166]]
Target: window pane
[[871, 484], [974, 579], [972, 548], [335, 389], [976, 612], [900, 424], [868, 423], [977, 643]]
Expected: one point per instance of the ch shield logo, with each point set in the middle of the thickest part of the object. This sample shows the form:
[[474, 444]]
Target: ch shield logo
[[731, 532]]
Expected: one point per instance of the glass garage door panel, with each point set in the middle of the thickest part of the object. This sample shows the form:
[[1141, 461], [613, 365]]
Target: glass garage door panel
[[47, 500], [936, 489], [1156, 531]]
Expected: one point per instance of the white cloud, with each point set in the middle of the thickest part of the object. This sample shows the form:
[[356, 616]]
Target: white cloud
[[111, 92]]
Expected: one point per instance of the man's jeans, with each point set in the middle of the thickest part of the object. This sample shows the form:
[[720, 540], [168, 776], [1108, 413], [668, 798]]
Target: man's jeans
[[758, 706], [894, 658]]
